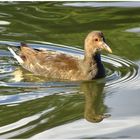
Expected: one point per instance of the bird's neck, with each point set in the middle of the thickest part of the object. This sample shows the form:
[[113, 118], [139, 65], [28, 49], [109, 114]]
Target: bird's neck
[[94, 65], [89, 60]]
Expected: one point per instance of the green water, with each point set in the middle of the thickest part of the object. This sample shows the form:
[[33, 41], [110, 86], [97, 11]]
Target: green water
[[31, 107]]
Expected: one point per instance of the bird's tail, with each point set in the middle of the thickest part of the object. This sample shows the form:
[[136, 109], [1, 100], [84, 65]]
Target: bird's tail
[[17, 57]]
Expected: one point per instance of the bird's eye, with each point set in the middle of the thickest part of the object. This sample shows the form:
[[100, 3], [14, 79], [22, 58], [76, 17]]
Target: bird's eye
[[96, 39]]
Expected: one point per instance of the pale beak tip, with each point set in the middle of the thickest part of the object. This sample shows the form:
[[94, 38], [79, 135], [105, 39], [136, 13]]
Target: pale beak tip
[[107, 48]]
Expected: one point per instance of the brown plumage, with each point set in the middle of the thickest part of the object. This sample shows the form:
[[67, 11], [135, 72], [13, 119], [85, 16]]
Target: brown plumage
[[62, 66]]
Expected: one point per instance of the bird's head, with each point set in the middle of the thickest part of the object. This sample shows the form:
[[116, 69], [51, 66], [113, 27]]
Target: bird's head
[[95, 42]]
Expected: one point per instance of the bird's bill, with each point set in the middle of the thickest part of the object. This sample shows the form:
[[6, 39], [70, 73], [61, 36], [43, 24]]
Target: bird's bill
[[107, 48]]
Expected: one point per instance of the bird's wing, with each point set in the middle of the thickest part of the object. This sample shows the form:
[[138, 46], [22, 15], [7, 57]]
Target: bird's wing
[[46, 61]]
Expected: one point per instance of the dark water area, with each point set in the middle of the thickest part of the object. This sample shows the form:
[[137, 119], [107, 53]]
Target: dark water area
[[31, 107]]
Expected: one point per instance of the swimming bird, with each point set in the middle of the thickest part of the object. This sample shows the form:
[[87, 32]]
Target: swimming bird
[[56, 65]]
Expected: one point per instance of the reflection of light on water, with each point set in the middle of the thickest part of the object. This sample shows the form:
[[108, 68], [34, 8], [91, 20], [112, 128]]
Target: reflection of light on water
[[15, 34], [18, 124], [2, 29], [102, 4], [28, 96], [4, 22], [6, 69], [134, 30], [21, 123], [82, 128]]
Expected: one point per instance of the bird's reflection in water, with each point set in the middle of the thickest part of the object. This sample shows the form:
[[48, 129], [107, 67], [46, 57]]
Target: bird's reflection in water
[[94, 101], [95, 108], [21, 75]]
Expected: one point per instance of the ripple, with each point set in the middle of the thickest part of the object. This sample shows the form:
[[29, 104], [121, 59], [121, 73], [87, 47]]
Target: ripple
[[19, 124], [119, 70], [71, 130], [102, 4], [21, 89], [35, 94]]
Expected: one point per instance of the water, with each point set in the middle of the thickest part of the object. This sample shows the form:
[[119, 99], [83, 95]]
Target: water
[[31, 107]]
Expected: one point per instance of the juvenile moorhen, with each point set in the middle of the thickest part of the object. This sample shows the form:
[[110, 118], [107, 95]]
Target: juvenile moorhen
[[62, 66]]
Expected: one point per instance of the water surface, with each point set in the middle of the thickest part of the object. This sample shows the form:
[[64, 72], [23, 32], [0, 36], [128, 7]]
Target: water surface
[[33, 107]]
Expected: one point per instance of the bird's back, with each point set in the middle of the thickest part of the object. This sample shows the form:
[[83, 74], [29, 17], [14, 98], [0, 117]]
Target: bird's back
[[50, 64]]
